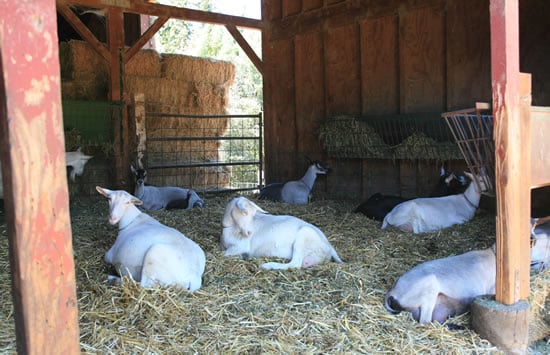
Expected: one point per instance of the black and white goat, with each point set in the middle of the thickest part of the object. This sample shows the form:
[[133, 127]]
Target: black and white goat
[[167, 197], [429, 214], [294, 192], [377, 206]]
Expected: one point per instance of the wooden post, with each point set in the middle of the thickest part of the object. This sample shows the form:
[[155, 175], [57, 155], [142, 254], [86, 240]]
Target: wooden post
[[36, 199], [115, 40], [512, 155]]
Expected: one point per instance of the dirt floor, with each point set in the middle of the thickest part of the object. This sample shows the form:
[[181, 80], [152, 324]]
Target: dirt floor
[[330, 308]]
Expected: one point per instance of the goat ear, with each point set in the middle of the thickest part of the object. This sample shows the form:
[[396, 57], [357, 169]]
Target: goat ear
[[104, 192], [242, 205], [136, 201]]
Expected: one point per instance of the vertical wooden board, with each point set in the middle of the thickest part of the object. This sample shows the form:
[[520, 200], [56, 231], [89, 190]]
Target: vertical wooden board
[[535, 47], [468, 53], [379, 66], [343, 85], [407, 178], [291, 7], [309, 92], [311, 4], [380, 175], [271, 9], [422, 60], [344, 180], [279, 115], [36, 200]]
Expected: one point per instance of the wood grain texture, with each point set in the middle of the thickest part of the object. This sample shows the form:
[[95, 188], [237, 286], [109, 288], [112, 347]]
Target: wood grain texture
[[36, 200], [468, 53], [422, 59], [379, 66], [309, 93], [343, 85]]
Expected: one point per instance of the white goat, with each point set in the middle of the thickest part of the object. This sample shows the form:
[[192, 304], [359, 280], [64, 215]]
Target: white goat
[[437, 289], [147, 250], [294, 192], [76, 160], [159, 197], [433, 213], [250, 231], [540, 243]]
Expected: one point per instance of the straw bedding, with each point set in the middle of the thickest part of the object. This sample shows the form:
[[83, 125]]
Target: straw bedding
[[330, 308]]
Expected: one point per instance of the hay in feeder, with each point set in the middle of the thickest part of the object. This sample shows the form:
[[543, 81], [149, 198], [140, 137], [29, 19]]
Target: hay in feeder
[[330, 308], [347, 137], [419, 146]]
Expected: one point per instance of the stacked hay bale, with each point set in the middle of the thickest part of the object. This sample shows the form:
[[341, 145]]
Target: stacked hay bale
[[183, 85], [171, 84]]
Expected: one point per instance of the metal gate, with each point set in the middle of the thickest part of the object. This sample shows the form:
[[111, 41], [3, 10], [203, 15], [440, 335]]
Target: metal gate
[[208, 153]]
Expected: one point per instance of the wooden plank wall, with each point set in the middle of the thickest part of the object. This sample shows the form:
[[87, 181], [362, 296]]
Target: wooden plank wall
[[334, 57]]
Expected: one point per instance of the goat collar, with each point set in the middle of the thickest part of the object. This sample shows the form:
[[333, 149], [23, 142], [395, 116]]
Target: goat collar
[[469, 202]]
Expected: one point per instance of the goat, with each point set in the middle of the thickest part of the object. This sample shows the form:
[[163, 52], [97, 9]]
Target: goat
[[250, 231], [437, 289], [159, 197], [294, 192], [433, 213], [378, 206], [449, 184], [147, 250], [76, 160], [540, 243]]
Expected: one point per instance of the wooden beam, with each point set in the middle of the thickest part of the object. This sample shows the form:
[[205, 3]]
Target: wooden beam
[[151, 9], [36, 200], [145, 37], [512, 154], [83, 31], [245, 47]]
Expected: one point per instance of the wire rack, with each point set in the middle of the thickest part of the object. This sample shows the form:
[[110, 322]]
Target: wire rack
[[472, 130]]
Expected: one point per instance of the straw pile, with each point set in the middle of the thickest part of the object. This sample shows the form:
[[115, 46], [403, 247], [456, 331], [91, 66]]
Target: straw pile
[[350, 137], [347, 137], [420, 146], [331, 308]]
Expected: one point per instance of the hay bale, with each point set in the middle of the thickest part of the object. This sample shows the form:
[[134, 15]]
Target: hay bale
[[193, 69], [146, 62], [347, 137]]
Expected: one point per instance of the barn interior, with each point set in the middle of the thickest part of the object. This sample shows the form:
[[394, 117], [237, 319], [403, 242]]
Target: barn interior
[[334, 72]]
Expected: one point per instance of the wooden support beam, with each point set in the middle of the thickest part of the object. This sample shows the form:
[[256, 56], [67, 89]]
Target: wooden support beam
[[145, 37], [151, 9], [245, 47], [115, 41], [36, 200], [83, 31], [512, 154]]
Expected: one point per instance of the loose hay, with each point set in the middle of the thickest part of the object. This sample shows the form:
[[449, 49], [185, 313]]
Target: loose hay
[[331, 308]]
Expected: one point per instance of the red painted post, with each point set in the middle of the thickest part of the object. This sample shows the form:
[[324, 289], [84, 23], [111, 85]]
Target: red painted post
[[35, 182], [512, 155]]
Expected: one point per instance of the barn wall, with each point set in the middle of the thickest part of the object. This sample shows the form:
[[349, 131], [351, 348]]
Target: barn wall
[[326, 58]]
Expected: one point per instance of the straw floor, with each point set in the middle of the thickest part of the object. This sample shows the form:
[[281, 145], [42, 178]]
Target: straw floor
[[331, 308]]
